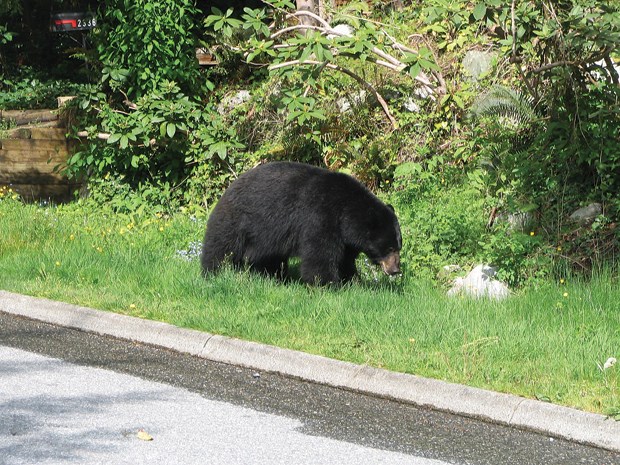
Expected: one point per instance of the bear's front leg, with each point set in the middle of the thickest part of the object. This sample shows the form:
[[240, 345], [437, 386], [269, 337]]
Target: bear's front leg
[[321, 266], [347, 266]]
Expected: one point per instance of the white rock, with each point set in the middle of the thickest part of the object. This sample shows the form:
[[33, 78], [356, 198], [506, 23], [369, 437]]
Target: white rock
[[229, 102], [587, 213], [354, 99], [341, 30], [411, 105], [480, 283], [517, 221]]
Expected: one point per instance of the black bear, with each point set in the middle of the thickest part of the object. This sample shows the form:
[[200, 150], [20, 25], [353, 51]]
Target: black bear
[[284, 209]]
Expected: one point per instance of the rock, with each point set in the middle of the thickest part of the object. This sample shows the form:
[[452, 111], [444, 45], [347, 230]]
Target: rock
[[411, 106], [230, 101], [476, 63], [452, 268], [341, 30], [588, 213], [354, 99], [448, 272], [518, 221], [480, 283]]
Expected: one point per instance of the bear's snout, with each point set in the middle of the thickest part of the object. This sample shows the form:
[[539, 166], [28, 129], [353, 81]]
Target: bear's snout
[[391, 263]]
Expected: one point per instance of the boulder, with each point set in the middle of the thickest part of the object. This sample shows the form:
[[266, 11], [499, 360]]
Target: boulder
[[480, 283], [518, 221], [587, 213], [230, 101], [354, 99]]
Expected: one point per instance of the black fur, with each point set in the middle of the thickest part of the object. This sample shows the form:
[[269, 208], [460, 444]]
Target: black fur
[[283, 209]]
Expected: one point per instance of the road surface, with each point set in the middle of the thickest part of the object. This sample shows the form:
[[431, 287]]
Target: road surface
[[72, 397]]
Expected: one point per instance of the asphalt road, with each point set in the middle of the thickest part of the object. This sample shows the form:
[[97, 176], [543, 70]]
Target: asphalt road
[[72, 397]]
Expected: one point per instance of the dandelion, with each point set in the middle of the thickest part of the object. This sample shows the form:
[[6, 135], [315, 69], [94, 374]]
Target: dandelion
[[562, 281], [611, 361], [57, 263], [532, 233], [71, 237], [565, 294], [559, 248], [132, 306]]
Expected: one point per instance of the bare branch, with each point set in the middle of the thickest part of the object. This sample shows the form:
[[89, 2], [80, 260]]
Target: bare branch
[[549, 66], [100, 135], [106, 136], [611, 69], [314, 16], [298, 27]]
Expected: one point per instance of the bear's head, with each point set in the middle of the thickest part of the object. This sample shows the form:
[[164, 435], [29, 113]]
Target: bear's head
[[381, 240]]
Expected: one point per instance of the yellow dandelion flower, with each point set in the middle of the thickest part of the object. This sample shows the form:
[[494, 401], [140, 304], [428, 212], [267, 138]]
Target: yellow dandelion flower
[[71, 237], [57, 263], [132, 306], [532, 233], [562, 281], [565, 294]]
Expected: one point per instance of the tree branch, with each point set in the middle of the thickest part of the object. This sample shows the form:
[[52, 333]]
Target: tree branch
[[349, 73], [314, 16]]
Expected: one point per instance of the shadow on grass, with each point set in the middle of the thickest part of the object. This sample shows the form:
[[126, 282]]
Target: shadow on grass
[[369, 277]]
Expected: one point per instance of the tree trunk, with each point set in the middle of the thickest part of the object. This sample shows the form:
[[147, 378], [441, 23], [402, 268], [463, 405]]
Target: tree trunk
[[312, 7]]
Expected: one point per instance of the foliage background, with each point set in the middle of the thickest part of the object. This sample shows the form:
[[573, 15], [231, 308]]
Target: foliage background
[[538, 132]]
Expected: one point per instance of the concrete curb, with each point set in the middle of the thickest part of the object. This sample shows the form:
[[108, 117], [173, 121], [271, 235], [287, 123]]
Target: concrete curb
[[553, 420]]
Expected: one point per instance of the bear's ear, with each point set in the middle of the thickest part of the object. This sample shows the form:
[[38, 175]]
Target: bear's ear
[[391, 207]]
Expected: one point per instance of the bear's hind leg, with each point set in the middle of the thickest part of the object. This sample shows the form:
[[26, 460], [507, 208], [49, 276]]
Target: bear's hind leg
[[216, 251]]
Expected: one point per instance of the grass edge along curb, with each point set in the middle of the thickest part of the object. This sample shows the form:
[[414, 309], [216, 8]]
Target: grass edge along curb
[[506, 409]]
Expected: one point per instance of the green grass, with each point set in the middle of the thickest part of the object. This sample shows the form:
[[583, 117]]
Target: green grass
[[543, 342]]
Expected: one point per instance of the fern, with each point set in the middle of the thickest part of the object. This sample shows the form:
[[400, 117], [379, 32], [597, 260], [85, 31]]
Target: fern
[[508, 107]]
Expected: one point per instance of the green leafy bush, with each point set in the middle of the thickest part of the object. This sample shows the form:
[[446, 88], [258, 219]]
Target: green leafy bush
[[33, 90], [443, 221], [146, 42]]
